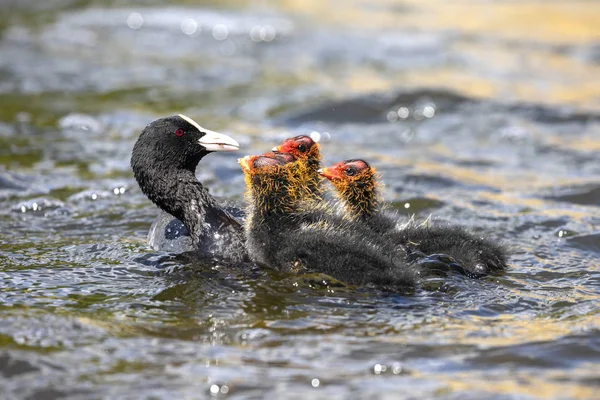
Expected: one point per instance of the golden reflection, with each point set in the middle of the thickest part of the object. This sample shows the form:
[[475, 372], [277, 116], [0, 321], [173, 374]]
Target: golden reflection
[[524, 181], [501, 330], [524, 383], [583, 144], [565, 22], [363, 80], [511, 49]]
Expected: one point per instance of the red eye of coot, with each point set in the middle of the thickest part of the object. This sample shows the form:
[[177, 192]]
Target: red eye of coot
[[179, 132]]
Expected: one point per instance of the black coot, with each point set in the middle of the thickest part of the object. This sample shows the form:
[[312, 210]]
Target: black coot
[[164, 161]]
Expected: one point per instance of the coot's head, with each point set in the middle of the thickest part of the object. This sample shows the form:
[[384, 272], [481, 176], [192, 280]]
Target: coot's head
[[267, 163], [284, 158], [269, 170], [270, 184], [263, 173], [167, 153], [356, 183], [349, 172], [301, 147], [176, 143]]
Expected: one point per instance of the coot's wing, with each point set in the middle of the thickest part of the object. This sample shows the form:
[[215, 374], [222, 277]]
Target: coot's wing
[[234, 208], [167, 233]]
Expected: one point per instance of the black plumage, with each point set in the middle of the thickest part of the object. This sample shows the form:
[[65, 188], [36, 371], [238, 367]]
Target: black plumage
[[164, 161]]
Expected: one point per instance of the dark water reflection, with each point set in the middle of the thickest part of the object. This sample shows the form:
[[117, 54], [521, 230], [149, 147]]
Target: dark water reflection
[[466, 120]]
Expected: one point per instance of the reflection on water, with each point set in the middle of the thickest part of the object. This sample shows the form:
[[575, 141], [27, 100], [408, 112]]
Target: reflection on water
[[482, 113]]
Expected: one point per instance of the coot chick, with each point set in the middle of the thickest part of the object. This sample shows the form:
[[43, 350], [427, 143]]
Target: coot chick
[[164, 161], [356, 183], [307, 153], [280, 235]]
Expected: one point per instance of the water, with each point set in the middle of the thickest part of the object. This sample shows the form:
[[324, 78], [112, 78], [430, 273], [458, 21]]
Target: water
[[484, 114]]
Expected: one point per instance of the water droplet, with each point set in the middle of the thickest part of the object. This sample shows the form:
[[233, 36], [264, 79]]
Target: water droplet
[[267, 33], [255, 34], [214, 390], [429, 111], [116, 190], [392, 116], [406, 205], [189, 26], [320, 136], [224, 389], [403, 112], [135, 20], [23, 117], [408, 135], [315, 382], [80, 122], [220, 32], [377, 369]]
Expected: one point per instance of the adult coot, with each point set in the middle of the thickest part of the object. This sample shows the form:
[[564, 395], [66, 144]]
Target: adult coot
[[164, 161]]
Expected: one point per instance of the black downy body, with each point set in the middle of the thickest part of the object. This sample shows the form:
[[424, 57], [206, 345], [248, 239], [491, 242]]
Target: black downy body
[[287, 235], [442, 246]]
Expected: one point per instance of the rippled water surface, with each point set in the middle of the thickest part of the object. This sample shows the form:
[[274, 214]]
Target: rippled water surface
[[486, 114]]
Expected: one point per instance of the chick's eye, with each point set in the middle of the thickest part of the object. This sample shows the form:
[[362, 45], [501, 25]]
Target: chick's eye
[[302, 148], [350, 171], [179, 132]]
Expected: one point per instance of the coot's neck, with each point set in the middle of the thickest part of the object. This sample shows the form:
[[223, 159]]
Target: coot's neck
[[362, 199], [179, 193], [314, 181], [272, 196]]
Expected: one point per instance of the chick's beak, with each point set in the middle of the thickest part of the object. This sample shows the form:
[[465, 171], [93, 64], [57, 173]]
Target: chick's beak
[[245, 162], [329, 173]]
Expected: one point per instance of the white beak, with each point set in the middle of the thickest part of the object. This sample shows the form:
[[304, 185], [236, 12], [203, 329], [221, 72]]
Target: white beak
[[213, 141]]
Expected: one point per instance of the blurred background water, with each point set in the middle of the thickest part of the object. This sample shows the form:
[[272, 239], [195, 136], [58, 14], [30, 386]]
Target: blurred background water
[[483, 113]]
